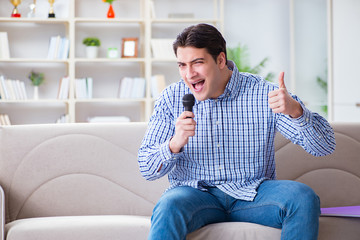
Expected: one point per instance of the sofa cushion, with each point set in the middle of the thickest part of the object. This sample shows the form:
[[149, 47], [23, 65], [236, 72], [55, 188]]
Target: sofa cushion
[[234, 231], [80, 228]]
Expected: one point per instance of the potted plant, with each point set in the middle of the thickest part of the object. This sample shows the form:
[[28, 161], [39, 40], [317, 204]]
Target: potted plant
[[240, 56], [92, 46], [36, 79]]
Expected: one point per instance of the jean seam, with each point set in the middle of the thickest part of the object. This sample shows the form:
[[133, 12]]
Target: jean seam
[[282, 208], [201, 209]]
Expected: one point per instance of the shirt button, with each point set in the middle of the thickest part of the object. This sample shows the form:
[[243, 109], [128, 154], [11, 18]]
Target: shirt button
[[217, 122], [307, 119], [216, 100], [218, 145]]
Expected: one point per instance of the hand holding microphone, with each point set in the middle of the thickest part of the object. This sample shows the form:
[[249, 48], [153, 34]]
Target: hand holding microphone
[[185, 125]]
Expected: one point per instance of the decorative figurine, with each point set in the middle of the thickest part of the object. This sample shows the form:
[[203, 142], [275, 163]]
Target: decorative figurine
[[51, 11], [15, 12], [32, 7]]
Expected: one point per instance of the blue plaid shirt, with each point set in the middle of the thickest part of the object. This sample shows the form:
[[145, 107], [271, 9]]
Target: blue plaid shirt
[[233, 146]]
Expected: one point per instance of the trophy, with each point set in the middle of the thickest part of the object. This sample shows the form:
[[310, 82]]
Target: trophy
[[15, 12], [51, 11], [32, 7]]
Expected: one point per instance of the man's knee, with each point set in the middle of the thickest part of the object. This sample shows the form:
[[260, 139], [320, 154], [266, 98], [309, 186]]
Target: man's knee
[[303, 196]]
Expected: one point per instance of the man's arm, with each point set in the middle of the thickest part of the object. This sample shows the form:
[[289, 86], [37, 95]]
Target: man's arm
[[164, 140], [301, 126]]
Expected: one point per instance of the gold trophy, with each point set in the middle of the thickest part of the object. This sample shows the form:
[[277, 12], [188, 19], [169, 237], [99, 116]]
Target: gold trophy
[[15, 12], [51, 11]]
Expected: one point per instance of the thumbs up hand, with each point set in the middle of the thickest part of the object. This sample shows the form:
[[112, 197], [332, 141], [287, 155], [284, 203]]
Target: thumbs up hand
[[280, 101]]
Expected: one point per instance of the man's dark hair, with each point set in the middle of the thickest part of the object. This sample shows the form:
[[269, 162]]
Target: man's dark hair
[[201, 36]]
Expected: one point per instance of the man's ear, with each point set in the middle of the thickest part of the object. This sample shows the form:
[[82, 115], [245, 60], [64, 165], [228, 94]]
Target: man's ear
[[221, 60]]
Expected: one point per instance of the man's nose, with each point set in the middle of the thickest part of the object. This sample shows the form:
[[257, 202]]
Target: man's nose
[[190, 73]]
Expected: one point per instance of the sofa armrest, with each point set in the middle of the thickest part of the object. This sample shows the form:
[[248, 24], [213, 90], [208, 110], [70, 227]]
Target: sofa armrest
[[2, 214]]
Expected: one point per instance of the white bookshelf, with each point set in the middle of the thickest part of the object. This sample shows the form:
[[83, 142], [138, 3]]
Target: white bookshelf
[[29, 41]]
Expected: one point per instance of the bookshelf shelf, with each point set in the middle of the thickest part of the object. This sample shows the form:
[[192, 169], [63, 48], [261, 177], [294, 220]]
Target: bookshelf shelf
[[185, 20], [34, 20], [29, 40], [34, 60]]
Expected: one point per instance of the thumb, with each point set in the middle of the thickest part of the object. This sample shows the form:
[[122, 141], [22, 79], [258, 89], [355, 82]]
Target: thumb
[[281, 80]]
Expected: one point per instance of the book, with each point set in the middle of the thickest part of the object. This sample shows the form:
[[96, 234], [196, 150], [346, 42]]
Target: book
[[125, 87], [80, 88], [138, 88], [84, 88], [63, 119], [158, 84], [162, 48], [132, 88], [4, 46], [58, 48], [346, 211], [89, 87], [63, 91], [2, 93], [4, 120]]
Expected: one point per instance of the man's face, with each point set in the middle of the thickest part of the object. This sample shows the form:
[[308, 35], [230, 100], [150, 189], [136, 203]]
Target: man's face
[[200, 72]]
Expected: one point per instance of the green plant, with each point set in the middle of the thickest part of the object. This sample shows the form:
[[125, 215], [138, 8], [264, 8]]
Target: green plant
[[108, 1], [240, 56], [36, 78], [91, 41], [324, 86]]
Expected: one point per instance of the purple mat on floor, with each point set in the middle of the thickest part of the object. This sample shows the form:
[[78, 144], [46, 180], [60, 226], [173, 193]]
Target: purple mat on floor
[[349, 211]]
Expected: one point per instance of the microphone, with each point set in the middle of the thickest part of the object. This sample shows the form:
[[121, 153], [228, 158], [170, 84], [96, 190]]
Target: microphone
[[188, 101]]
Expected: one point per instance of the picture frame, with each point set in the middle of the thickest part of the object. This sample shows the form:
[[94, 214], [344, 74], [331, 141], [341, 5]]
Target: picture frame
[[129, 48]]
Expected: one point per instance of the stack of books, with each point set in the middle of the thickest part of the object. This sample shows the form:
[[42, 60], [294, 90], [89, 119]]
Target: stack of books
[[84, 88], [63, 119], [12, 89], [4, 120], [162, 48], [58, 48], [132, 88]]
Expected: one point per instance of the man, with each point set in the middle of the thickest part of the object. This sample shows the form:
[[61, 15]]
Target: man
[[220, 157]]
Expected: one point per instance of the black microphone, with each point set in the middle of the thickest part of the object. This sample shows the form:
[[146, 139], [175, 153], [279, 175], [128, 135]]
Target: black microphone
[[188, 101]]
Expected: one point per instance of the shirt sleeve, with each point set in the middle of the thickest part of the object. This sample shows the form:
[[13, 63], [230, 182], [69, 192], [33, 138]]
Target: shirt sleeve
[[154, 157], [311, 131]]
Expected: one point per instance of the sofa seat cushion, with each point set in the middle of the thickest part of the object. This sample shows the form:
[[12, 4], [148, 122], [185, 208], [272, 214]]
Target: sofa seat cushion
[[79, 228], [235, 231]]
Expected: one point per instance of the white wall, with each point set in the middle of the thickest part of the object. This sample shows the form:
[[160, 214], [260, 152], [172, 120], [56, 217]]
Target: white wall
[[346, 60], [263, 26]]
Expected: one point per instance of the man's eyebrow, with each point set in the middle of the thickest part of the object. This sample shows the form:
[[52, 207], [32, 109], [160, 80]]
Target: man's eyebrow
[[192, 61]]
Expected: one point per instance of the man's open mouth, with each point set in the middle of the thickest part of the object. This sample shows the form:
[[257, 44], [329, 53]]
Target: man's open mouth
[[198, 86]]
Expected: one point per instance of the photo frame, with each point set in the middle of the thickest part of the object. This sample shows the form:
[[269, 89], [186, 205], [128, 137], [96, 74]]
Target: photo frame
[[129, 48]]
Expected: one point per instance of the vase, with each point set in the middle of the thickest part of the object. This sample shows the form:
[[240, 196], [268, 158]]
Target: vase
[[110, 13], [92, 51], [36, 92]]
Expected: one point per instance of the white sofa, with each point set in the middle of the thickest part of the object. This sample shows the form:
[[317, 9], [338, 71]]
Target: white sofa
[[81, 181]]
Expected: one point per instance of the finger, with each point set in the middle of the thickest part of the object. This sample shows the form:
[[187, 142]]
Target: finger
[[281, 80], [187, 114], [273, 93]]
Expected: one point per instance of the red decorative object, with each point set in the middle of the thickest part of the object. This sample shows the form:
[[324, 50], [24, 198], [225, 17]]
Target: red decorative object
[[16, 15], [110, 13]]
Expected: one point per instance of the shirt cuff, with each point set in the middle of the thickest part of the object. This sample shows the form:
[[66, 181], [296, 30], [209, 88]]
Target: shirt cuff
[[304, 121], [167, 156]]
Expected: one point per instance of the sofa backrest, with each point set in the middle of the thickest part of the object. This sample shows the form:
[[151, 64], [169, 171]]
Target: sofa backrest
[[91, 169], [336, 177], [74, 169]]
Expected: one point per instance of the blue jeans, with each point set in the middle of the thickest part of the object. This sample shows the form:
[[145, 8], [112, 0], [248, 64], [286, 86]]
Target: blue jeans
[[289, 205]]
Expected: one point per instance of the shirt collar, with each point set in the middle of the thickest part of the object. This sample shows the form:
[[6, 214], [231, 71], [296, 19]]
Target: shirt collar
[[234, 85]]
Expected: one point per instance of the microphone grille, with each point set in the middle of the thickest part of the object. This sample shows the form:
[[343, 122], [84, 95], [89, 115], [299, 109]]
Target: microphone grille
[[188, 99]]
